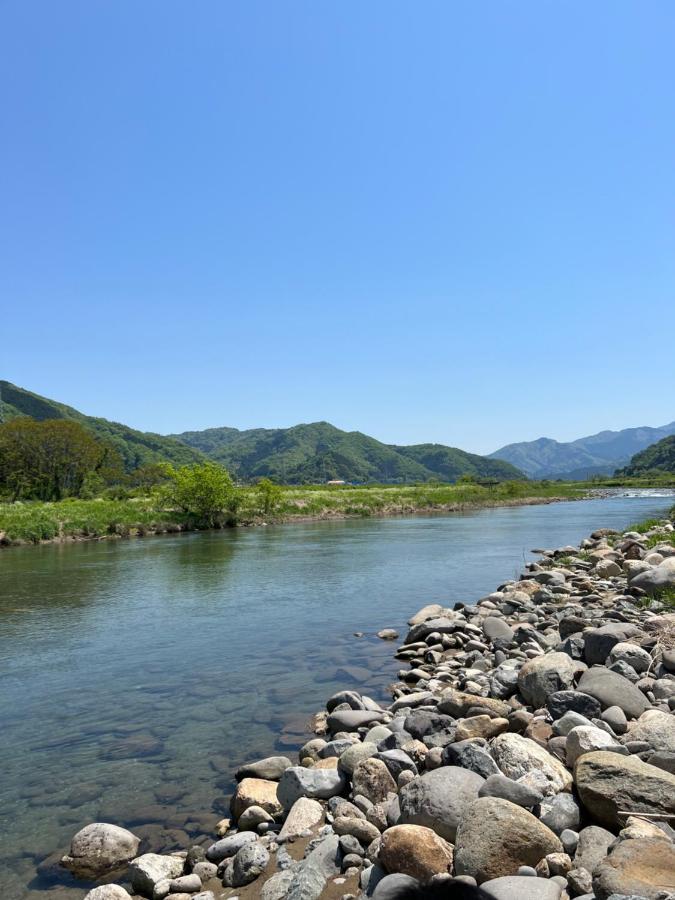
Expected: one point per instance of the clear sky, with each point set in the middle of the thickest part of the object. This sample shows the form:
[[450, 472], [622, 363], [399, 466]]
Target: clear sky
[[440, 221]]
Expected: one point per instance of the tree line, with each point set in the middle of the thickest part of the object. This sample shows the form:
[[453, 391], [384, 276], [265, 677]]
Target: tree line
[[54, 459]]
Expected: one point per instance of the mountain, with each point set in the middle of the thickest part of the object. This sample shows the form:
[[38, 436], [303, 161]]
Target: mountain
[[137, 448], [660, 457], [598, 454], [320, 452]]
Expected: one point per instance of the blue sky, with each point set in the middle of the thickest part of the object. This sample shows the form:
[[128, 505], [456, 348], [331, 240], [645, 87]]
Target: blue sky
[[448, 221]]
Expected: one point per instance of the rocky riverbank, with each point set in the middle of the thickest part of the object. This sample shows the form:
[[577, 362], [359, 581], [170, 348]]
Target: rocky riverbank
[[529, 748]]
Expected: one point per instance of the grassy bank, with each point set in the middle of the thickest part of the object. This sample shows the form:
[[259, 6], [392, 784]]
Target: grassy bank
[[34, 522]]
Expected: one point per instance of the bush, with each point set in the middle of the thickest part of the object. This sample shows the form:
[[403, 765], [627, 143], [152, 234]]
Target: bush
[[204, 492]]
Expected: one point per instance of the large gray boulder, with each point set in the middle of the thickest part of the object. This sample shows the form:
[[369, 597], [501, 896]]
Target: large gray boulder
[[598, 642], [100, 848], [654, 580], [609, 785], [438, 799], [547, 674], [229, 846], [250, 862], [496, 837], [594, 843], [612, 689], [310, 876], [146, 871], [298, 782], [352, 719], [645, 867], [517, 756], [656, 728], [521, 887]]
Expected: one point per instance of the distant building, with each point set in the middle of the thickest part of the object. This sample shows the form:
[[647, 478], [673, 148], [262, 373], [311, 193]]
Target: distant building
[[336, 481]]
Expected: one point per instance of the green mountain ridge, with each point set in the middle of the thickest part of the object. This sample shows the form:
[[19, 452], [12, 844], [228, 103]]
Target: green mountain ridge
[[660, 457], [303, 454], [137, 448], [319, 451]]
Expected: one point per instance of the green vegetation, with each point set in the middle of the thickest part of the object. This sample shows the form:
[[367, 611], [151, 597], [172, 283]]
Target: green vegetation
[[203, 492], [319, 452], [52, 459], [135, 448], [164, 508], [657, 460]]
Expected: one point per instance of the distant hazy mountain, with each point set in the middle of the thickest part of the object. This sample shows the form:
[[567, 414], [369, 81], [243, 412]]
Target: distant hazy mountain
[[137, 448], [660, 457], [600, 453], [319, 452]]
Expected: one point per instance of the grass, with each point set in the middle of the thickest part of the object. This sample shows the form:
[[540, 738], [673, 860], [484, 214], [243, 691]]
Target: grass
[[33, 522]]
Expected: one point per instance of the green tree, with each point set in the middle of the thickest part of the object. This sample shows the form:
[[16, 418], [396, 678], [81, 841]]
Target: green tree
[[268, 495], [51, 459], [204, 492]]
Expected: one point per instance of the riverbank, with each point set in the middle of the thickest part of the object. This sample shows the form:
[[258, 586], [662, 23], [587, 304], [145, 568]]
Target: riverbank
[[97, 519], [530, 736]]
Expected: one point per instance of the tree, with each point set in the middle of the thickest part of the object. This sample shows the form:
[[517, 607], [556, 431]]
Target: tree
[[51, 459], [204, 492], [269, 495]]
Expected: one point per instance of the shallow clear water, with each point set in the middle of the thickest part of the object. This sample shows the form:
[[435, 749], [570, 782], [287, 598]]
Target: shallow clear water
[[136, 675]]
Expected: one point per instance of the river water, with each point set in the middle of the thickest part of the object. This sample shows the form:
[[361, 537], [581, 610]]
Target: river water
[[136, 675]]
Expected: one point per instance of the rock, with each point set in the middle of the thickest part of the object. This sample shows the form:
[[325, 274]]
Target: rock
[[271, 768], [397, 761], [145, 871], [252, 817], [607, 568], [586, 738], [443, 624], [580, 882], [276, 887], [598, 642], [255, 792], [594, 843], [469, 755], [645, 867], [352, 719], [388, 634], [305, 813], [439, 799], [495, 837], [480, 726], [228, 846], [249, 862], [205, 870], [394, 887], [612, 689], [609, 784], [421, 722], [561, 702], [519, 887], [315, 783], [362, 830], [653, 580], [495, 628], [507, 789], [99, 848], [570, 720], [560, 813], [356, 753], [372, 780], [108, 892], [546, 675], [416, 851], [310, 877], [187, 884], [615, 717], [656, 728], [634, 656], [517, 756], [458, 703]]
